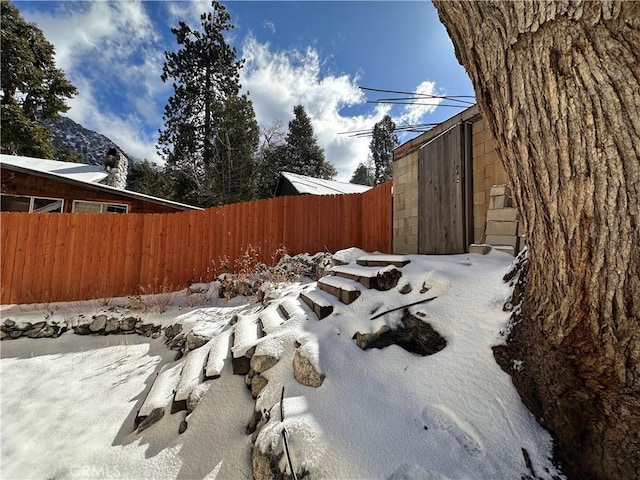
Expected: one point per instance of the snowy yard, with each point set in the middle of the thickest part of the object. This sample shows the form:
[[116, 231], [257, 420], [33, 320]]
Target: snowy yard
[[69, 404]]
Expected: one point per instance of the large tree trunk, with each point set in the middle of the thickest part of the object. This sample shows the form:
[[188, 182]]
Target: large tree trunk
[[559, 84]]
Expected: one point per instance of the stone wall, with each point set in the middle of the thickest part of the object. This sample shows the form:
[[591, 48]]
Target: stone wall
[[405, 204]]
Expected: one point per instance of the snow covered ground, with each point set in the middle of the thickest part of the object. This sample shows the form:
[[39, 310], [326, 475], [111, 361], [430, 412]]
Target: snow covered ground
[[68, 404]]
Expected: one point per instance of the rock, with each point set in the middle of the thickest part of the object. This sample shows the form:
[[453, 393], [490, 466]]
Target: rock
[[196, 395], [261, 363], [155, 415], [24, 326], [193, 341], [172, 330], [265, 465], [46, 331], [128, 324], [82, 329], [183, 427], [406, 288], [98, 323], [387, 279], [4, 335], [417, 336], [112, 325], [258, 383], [304, 371], [9, 323], [15, 334], [39, 325]]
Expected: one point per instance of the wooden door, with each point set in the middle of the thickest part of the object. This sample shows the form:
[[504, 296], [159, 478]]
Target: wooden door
[[445, 221]]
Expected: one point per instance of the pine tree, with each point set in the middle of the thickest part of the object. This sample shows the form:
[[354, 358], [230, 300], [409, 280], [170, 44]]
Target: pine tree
[[33, 89], [302, 154], [210, 131], [381, 147], [362, 175], [269, 159], [146, 177]]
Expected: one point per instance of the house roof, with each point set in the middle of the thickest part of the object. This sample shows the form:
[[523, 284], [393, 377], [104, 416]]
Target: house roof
[[317, 186], [75, 174], [75, 171], [470, 114]]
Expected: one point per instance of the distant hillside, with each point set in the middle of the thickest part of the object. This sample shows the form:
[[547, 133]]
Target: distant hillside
[[91, 145]]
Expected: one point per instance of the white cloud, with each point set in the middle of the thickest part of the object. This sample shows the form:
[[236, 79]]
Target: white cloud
[[279, 80], [425, 104], [118, 42]]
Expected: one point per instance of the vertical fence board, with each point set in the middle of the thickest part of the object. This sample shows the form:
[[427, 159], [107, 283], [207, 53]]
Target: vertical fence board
[[57, 277], [10, 226], [89, 254], [19, 260], [31, 270], [46, 233]]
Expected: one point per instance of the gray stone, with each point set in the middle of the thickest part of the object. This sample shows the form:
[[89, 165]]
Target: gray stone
[[4, 335], [82, 329], [15, 334], [155, 415], [262, 363], [128, 324], [406, 288], [183, 427], [478, 248], [98, 323], [39, 325], [172, 330], [9, 323], [304, 372], [24, 326], [257, 385], [111, 325], [265, 465], [194, 341]]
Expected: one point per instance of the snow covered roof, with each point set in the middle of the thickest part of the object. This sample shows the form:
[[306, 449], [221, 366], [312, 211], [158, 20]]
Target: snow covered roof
[[317, 186], [75, 171], [87, 176]]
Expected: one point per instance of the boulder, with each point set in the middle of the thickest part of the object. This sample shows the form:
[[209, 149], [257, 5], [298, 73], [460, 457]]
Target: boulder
[[258, 382], [128, 324], [155, 415], [305, 372], [111, 325], [193, 341], [262, 363], [98, 324], [387, 279], [9, 323]]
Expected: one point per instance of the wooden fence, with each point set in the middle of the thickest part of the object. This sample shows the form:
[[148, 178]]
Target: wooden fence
[[59, 256]]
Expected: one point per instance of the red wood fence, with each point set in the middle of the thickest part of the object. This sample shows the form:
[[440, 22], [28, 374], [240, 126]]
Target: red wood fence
[[59, 256]]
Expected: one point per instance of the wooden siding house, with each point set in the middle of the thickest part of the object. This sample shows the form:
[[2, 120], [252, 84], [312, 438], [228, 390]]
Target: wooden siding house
[[450, 191], [39, 185]]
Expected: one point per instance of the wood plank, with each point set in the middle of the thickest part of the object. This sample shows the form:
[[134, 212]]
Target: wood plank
[[69, 254], [60, 258], [89, 255], [10, 224]]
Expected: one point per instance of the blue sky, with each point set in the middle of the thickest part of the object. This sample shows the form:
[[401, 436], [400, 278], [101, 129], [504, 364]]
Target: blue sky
[[311, 53]]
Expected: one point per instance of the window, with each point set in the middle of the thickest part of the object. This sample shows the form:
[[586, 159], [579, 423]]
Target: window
[[12, 203], [81, 206]]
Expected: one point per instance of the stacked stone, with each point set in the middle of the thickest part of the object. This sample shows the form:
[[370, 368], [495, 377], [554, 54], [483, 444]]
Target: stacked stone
[[11, 330], [101, 325], [503, 221]]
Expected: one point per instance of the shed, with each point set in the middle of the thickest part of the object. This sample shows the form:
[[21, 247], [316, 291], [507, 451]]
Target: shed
[[450, 190], [294, 184], [39, 185]]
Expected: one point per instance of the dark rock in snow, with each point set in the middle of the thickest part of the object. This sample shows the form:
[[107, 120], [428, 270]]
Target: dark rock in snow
[[155, 415], [112, 325], [417, 336], [406, 288], [388, 279], [128, 324], [183, 427], [9, 323], [98, 323]]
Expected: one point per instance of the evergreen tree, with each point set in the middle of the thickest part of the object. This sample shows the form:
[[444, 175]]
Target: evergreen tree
[[269, 159], [33, 89], [302, 154], [210, 131], [381, 147], [146, 177], [362, 175]]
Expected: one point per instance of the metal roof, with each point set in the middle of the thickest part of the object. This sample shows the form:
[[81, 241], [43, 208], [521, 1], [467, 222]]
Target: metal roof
[[317, 186]]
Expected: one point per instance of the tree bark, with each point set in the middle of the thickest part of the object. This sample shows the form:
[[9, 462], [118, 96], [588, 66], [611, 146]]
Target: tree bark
[[559, 85]]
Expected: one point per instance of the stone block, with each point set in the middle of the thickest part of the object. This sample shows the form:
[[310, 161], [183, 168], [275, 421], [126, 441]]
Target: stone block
[[506, 249], [482, 249], [502, 240], [501, 201], [500, 190], [503, 215], [502, 228]]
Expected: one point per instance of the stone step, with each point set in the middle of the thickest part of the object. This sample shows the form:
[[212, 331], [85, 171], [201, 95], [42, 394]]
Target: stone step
[[343, 289], [270, 318], [318, 301], [246, 332], [289, 307], [383, 260], [379, 278], [217, 354]]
